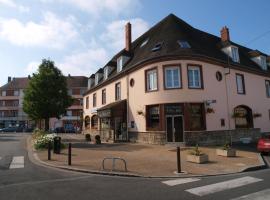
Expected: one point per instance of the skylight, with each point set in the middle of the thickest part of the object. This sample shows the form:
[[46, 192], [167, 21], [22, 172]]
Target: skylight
[[144, 42], [157, 47], [183, 44]]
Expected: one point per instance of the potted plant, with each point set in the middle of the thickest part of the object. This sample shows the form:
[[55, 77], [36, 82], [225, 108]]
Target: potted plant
[[226, 151], [196, 156], [210, 110], [255, 115], [88, 137], [140, 112], [97, 139]]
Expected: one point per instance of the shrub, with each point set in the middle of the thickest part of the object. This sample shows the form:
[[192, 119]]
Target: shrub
[[42, 139], [226, 146], [196, 151], [98, 140], [88, 137]]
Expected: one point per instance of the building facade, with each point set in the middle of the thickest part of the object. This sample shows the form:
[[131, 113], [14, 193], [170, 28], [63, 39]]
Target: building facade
[[11, 104], [176, 83]]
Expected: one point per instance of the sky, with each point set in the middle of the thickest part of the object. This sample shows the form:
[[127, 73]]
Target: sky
[[80, 36]]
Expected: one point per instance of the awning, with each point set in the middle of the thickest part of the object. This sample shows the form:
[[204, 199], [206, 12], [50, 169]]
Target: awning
[[106, 111]]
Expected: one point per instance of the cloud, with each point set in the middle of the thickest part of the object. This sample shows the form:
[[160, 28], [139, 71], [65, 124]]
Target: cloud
[[98, 7], [12, 4], [51, 32], [32, 67], [114, 35]]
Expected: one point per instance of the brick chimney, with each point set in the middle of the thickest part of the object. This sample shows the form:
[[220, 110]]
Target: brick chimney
[[128, 36], [225, 34], [9, 79]]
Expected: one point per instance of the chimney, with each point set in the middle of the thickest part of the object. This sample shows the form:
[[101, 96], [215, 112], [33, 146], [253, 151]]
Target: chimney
[[225, 34], [128, 37], [9, 79]]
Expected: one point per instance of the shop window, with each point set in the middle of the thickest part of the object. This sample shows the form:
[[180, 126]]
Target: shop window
[[153, 117], [87, 122], [196, 117], [105, 123], [94, 122], [243, 117]]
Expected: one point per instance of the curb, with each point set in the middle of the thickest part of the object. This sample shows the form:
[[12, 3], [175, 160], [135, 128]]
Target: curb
[[36, 160]]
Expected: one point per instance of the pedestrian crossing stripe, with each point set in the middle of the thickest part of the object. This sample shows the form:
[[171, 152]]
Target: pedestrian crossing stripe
[[225, 185], [180, 181], [261, 195], [17, 162]]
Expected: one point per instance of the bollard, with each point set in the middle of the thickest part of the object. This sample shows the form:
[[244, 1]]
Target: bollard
[[178, 160], [49, 150], [69, 153]]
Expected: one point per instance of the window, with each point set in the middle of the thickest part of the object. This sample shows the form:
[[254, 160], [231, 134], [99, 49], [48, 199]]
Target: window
[[194, 77], [157, 47], [106, 72], [267, 86], [235, 55], [144, 42], [121, 61], [103, 98], [96, 79], [263, 63], [240, 83], [94, 122], [151, 80], [183, 44], [172, 77], [16, 93], [87, 122], [196, 117], [69, 113], [153, 117], [87, 103], [94, 100], [117, 91], [243, 117], [4, 93]]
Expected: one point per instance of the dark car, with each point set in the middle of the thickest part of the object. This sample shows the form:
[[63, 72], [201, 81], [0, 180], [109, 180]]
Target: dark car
[[70, 129], [263, 145], [9, 130], [59, 130]]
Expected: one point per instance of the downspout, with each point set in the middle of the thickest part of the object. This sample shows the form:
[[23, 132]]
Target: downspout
[[127, 105]]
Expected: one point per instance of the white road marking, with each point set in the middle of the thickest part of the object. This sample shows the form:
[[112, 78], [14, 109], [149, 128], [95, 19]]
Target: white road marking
[[261, 195], [226, 185], [17, 162], [180, 181]]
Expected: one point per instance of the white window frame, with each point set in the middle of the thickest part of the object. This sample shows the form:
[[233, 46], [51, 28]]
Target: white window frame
[[193, 69], [167, 69], [106, 72], [152, 80], [235, 54]]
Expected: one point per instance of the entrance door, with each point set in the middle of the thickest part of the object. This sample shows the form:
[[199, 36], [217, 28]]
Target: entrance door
[[174, 128]]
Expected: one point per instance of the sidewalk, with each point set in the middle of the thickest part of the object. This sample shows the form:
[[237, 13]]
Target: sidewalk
[[147, 160]]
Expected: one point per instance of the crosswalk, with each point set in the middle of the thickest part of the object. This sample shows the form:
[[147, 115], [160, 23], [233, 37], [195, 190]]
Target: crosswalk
[[11, 162], [222, 186]]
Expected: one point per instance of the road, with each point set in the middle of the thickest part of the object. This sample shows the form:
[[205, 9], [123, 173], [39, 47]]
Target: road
[[21, 179]]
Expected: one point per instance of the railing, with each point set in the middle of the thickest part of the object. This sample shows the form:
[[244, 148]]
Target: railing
[[114, 159]]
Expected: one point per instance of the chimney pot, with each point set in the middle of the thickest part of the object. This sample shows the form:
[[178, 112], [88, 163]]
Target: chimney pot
[[225, 34], [128, 36], [9, 79]]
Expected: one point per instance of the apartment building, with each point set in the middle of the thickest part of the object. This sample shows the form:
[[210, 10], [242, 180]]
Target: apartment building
[[11, 104], [176, 83]]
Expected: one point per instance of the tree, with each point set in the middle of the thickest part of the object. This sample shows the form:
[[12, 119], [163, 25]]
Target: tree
[[46, 95]]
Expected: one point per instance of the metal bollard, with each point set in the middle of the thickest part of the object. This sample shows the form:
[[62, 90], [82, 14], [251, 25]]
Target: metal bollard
[[178, 160], [49, 150], [69, 153]]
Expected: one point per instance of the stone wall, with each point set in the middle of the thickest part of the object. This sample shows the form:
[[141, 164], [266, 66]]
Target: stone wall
[[221, 137], [148, 137]]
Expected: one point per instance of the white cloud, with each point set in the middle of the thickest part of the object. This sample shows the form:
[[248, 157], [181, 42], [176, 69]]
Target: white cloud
[[114, 35], [12, 4], [32, 67], [52, 32], [103, 7]]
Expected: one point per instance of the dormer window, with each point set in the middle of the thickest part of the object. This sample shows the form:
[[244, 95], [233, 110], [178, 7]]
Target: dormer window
[[263, 63], [106, 72], [157, 47], [234, 54], [121, 61], [98, 76], [183, 44], [144, 42]]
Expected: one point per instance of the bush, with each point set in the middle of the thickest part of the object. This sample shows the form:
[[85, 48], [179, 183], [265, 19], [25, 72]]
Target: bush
[[196, 151], [97, 138], [42, 139], [88, 137]]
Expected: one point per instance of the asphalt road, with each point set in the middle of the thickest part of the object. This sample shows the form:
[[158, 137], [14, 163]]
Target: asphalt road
[[21, 179]]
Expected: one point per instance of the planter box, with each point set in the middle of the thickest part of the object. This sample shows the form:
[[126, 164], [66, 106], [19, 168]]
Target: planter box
[[226, 153], [197, 159]]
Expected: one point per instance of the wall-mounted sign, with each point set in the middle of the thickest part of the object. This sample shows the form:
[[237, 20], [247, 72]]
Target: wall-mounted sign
[[104, 113], [173, 110]]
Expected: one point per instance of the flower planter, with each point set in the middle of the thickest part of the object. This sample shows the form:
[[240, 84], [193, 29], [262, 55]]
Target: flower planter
[[197, 159], [226, 153]]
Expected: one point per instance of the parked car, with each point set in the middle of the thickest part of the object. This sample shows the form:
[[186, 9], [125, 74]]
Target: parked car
[[263, 145], [12, 129], [59, 130], [70, 129]]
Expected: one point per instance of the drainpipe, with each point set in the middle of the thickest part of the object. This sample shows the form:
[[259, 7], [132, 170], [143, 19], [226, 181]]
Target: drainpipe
[[227, 99], [127, 104]]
